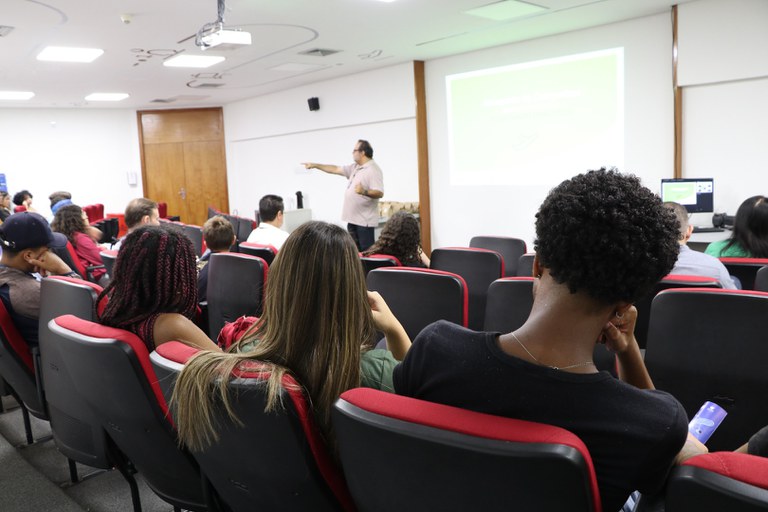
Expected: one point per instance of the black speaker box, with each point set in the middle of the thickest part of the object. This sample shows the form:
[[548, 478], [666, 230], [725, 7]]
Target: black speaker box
[[314, 104]]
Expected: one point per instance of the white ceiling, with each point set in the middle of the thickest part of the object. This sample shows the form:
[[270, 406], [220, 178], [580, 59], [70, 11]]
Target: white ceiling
[[366, 33]]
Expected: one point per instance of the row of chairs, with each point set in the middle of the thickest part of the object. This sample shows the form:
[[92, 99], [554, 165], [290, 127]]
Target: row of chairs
[[412, 436]]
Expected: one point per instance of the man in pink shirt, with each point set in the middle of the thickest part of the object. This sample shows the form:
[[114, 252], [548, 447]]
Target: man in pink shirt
[[364, 189]]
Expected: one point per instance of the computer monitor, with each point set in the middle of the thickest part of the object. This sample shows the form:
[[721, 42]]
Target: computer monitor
[[696, 194]]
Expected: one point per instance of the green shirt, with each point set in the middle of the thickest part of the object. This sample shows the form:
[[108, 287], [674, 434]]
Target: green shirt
[[717, 249], [376, 367]]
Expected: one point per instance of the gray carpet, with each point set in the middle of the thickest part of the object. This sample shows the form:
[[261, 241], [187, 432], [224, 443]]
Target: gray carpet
[[36, 477]]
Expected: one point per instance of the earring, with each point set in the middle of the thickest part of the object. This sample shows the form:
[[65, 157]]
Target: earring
[[619, 315]]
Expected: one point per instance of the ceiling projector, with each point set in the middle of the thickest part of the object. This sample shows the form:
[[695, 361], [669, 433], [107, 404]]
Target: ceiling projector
[[224, 39]]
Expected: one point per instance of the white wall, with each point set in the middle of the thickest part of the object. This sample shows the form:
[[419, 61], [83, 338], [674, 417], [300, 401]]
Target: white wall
[[459, 212], [86, 152], [723, 56], [267, 137]]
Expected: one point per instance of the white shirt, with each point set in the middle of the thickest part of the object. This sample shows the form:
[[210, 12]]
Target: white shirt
[[268, 234]]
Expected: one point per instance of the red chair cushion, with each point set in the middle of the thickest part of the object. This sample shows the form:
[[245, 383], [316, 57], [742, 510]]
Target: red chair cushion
[[749, 469]]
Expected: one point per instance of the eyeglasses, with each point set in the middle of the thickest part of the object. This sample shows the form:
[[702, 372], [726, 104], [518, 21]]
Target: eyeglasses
[[356, 150]]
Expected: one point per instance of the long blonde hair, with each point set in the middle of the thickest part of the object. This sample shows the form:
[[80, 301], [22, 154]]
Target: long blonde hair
[[316, 315]]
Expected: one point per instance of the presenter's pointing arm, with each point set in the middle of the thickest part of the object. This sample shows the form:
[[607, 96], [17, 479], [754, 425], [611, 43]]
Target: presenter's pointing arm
[[330, 169]]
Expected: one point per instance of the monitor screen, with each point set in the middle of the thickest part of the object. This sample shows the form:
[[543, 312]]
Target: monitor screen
[[696, 194]]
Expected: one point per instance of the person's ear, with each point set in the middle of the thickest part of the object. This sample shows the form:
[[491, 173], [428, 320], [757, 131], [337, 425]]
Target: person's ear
[[688, 233], [621, 308], [537, 268]]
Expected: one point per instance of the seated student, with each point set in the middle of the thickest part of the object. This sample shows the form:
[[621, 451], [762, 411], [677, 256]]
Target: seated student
[[749, 238], [317, 313], [59, 199], [154, 291], [5, 206], [400, 237], [602, 241], [72, 222], [139, 212], [23, 200], [219, 236], [271, 220], [25, 239], [694, 263]]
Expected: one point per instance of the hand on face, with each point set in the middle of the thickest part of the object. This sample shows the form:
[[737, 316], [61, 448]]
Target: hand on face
[[619, 332], [46, 262]]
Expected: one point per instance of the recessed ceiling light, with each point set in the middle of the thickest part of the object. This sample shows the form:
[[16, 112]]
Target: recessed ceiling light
[[66, 54], [16, 95], [296, 66], [192, 61], [505, 10], [106, 96]]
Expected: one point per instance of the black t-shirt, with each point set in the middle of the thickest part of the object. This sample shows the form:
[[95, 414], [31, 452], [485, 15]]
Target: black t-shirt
[[632, 435]]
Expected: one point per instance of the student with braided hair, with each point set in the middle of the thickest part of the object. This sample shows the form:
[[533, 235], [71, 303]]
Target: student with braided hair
[[154, 291]]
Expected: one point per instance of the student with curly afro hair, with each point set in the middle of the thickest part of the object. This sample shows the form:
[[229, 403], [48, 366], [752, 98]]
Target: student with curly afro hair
[[602, 241], [401, 238]]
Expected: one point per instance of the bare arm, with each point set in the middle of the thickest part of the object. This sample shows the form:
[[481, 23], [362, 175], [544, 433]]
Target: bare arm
[[691, 448], [372, 193], [330, 169], [176, 327], [619, 336], [398, 341]]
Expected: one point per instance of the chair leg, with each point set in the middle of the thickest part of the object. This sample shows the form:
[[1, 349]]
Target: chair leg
[[27, 423], [73, 471], [135, 498]]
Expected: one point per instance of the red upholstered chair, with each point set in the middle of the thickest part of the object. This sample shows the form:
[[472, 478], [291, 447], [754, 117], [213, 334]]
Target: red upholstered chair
[[400, 453], [478, 267], [19, 208], [745, 269], [271, 461], [264, 251], [111, 370], [95, 212], [378, 261], [235, 288], [670, 281], [721, 481], [75, 263], [419, 296], [77, 429], [17, 367], [162, 209], [712, 344], [510, 249]]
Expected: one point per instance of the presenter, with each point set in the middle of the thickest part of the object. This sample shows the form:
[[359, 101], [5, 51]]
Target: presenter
[[364, 189]]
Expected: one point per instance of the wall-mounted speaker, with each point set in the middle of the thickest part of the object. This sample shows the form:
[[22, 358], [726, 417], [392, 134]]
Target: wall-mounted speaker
[[314, 104]]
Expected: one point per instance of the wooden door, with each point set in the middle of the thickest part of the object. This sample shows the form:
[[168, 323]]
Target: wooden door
[[184, 162]]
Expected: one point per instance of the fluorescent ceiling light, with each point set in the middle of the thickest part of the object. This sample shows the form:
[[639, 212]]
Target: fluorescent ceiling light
[[106, 96], [192, 61], [505, 10], [65, 54], [16, 95]]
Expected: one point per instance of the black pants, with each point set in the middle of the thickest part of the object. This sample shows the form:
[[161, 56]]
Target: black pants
[[362, 235]]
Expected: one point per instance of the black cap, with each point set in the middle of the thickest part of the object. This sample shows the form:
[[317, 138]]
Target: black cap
[[25, 230]]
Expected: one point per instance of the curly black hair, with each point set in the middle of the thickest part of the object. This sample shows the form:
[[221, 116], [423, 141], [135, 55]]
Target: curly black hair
[[399, 238], [607, 235]]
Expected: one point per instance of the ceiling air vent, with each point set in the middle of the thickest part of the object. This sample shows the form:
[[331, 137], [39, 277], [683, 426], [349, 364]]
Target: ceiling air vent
[[5, 30], [205, 85], [319, 52], [163, 100]]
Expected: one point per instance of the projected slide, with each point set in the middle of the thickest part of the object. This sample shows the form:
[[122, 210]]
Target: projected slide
[[538, 122]]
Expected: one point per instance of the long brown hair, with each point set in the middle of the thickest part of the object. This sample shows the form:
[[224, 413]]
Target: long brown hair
[[68, 221], [400, 238], [316, 314]]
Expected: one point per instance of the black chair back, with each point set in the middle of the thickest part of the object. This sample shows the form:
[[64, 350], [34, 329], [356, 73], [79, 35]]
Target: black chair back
[[195, 235], [745, 269], [76, 428], [378, 261], [525, 265], [478, 267], [643, 305], [235, 288], [510, 249], [712, 345], [417, 297], [109, 257], [263, 251], [761, 279], [111, 370], [437, 457], [271, 461]]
